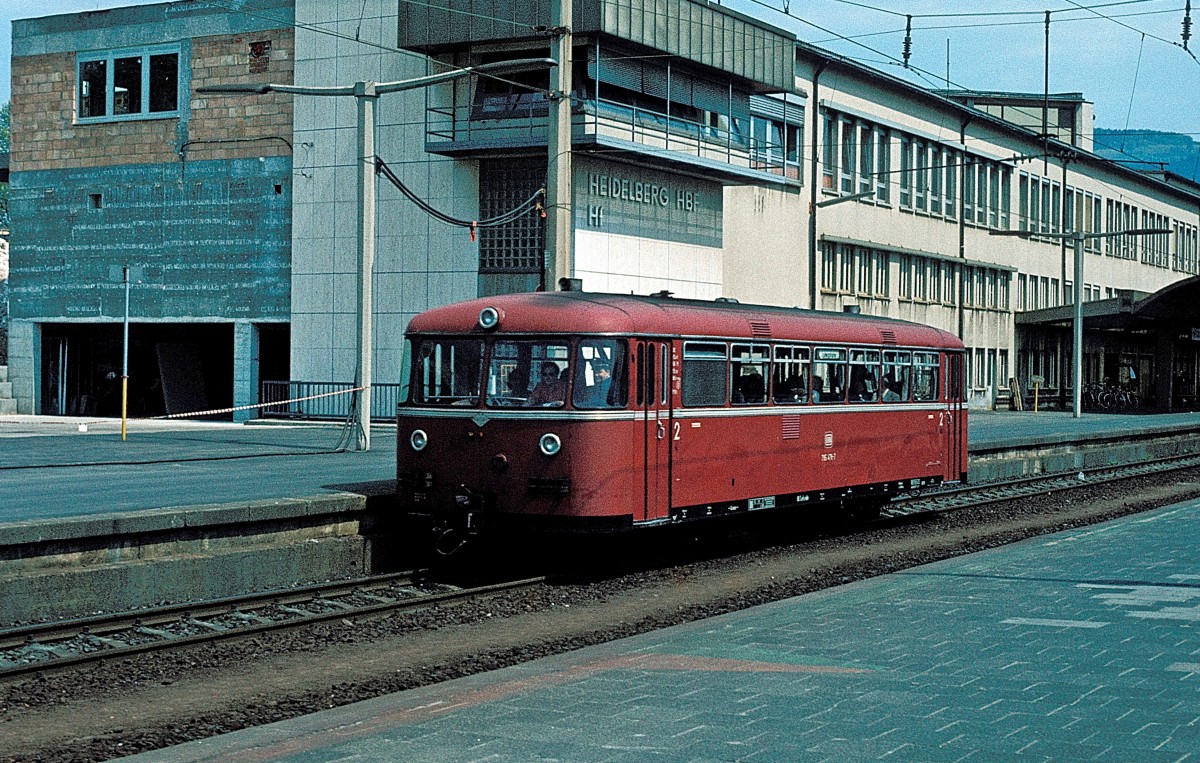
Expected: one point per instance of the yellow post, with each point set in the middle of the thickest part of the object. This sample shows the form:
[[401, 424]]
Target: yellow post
[[124, 401], [1035, 397]]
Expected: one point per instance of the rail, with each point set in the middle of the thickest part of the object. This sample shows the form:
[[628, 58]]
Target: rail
[[277, 394], [52, 646]]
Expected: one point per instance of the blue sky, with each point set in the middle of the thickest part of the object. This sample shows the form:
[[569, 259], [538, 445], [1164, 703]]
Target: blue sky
[[1126, 64]]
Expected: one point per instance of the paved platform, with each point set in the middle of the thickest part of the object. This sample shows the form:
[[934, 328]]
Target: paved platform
[[1078, 646], [49, 469]]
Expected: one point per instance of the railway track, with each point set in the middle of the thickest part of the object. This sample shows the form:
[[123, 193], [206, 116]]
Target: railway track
[[950, 499], [68, 643], [63, 644]]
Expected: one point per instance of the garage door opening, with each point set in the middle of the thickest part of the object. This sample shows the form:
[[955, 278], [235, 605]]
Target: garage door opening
[[173, 368]]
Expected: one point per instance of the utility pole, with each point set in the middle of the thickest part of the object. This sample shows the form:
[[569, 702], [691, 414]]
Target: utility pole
[[560, 253], [367, 94]]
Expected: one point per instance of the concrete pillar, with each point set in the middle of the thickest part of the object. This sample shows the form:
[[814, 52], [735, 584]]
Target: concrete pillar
[[24, 363], [1164, 368], [245, 369]]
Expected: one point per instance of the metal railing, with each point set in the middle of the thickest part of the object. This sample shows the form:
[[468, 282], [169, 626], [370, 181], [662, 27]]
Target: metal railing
[[278, 393], [603, 117]]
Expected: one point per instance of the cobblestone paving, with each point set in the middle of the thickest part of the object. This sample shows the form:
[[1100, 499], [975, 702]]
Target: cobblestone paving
[[1079, 646]]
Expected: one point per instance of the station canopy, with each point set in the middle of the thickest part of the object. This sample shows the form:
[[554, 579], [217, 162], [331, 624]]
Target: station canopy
[[1175, 306]]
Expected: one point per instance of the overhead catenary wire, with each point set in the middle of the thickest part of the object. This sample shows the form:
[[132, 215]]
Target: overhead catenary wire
[[522, 209], [926, 76]]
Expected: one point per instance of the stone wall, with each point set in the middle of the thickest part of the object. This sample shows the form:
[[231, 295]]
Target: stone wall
[[46, 135]]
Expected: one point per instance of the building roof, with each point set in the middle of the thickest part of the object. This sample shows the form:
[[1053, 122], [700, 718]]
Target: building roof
[[1176, 305]]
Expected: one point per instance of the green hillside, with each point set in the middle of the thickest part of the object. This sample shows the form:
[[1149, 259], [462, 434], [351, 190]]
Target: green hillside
[[1180, 152]]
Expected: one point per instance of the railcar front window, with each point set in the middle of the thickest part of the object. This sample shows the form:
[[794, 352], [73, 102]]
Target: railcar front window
[[895, 376], [704, 373], [829, 375], [528, 374], [406, 371], [447, 372], [601, 374], [789, 381], [925, 376]]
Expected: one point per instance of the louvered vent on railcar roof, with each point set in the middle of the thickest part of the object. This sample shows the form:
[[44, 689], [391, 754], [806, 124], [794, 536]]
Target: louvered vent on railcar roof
[[887, 336], [760, 329]]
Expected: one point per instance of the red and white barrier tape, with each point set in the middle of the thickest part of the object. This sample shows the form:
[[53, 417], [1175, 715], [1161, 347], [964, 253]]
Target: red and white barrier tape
[[215, 411]]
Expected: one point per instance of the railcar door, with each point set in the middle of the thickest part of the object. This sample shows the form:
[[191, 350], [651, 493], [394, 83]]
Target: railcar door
[[653, 401], [956, 414]]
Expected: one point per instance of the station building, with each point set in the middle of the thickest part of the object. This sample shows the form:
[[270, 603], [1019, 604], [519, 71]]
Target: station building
[[115, 164], [713, 155]]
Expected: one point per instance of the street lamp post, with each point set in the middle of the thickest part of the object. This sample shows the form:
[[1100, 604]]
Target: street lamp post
[[367, 93], [1077, 238]]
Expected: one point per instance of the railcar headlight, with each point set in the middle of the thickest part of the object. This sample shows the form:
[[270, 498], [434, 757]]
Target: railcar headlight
[[418, 439], [489, 318], [550, 444]]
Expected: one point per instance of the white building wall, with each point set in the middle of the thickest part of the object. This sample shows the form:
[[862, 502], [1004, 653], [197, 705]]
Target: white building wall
[[618, 264], [420, 263], [766, 245]]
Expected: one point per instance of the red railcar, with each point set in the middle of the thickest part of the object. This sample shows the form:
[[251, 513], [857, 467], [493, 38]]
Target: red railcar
[[582, 411]]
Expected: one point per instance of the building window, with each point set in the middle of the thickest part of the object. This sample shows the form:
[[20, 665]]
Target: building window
[[938, 159], [846, 255], [906, 167], [1023, 202], [775, 146], [1005, 196], [865, 271], [517, 246], [849, 151], [866, 159], [981, 193], [128, 84], [968, 188], [828, 266], [829, 152], [883, 172]]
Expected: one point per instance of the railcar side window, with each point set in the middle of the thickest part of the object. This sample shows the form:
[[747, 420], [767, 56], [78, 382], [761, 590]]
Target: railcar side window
[[448, 372], [528, 374], [864, 376], [704, 373], [601, 374], [925, 376], [895, 376], [789, 380], [829, 375], [748, 370]]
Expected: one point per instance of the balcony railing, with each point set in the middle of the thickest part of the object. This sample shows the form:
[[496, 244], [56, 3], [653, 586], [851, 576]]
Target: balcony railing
[[461, 128]]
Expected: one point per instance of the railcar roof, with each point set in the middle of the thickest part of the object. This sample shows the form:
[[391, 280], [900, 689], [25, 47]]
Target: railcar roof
[[576, 312]]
